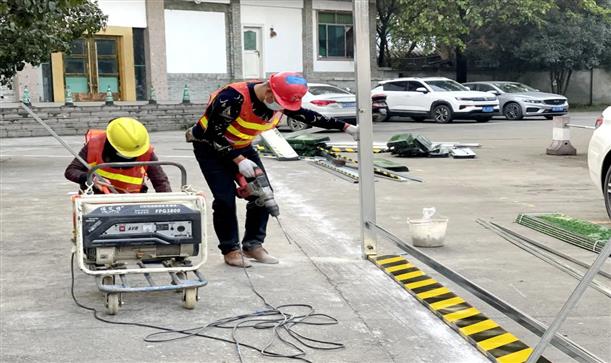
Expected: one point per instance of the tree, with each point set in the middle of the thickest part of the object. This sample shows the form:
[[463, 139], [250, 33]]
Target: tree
[[459, 23], [33, 29], [401, 28], [386, 16], [577, 35]]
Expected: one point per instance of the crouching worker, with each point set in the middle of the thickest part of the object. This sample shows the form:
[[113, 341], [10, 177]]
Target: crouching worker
[[124, 140]]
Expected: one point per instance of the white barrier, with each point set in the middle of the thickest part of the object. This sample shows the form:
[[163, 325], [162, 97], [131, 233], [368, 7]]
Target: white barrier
[[561, 138]]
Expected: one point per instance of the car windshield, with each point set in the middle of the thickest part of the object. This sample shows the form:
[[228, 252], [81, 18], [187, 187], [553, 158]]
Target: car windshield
[[446, 86], [326, 90], [514, 87]]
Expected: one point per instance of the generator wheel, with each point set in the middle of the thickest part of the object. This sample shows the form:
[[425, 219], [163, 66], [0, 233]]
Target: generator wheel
[[189, 298], [112, 304]]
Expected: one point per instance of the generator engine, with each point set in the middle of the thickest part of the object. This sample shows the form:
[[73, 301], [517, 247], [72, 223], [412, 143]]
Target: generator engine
[[140, 231]]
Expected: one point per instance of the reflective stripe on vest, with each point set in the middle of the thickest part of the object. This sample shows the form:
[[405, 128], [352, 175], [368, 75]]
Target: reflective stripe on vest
[[243, 130], [120, 177], [203, 121]]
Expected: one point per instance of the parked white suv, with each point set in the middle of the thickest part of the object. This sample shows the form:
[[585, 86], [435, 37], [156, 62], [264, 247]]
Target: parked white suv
[[440, 99], [599, 156]]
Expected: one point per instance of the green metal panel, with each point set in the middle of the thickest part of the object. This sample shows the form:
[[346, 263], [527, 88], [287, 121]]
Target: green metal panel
[[250, 40], [77, 84], [104, 82]]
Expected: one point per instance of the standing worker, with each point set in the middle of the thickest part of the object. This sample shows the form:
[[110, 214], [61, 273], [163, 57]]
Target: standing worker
[[124, 140], [222, 140]]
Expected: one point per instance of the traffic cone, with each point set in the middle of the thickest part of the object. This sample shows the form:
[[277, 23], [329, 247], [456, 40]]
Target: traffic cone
[[186, 98], [153, 97], [69, 100], [109, 99], [25, 98]]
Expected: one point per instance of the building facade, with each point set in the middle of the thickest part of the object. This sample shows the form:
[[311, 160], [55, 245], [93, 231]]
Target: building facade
[[204, 44]]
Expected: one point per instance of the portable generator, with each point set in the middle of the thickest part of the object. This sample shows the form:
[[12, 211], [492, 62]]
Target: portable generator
[[121, 234]]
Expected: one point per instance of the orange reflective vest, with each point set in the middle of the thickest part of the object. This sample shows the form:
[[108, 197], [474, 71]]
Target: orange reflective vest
[[243, 130], [128, 180]]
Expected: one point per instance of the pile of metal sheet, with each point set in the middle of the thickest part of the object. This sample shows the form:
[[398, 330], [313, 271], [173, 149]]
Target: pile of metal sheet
[[533, 221], [413, 145]]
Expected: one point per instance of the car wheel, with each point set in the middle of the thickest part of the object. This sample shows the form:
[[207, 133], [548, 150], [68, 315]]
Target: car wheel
[[381, 117], [549, 117], [295, 125], [607, 191], [483, 119], [442, 114], [513, 111], [418, 118]]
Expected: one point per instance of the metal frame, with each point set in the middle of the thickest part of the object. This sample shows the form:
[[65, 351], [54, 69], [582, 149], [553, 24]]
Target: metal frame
[[362, 67], [570, 303], [368, 215], [130, 164], [565, 345]]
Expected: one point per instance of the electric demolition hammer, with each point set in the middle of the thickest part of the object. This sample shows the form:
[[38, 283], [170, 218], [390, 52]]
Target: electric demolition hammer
[[259, 188]]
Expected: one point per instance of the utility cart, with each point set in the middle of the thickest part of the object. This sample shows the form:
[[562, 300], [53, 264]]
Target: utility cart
[[141, 242]]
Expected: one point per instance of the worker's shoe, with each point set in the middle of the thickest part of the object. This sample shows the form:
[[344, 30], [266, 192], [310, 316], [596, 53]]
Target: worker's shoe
[[235, 258], [260, 255]]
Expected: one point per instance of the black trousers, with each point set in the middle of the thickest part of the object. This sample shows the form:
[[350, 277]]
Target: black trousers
[[220, 173]]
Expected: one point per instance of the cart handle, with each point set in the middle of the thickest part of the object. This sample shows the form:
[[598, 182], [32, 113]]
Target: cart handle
[[183, 171]]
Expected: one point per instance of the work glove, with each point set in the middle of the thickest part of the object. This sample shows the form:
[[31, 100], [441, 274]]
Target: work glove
[[353, 131], [247, 168], [100, 181], [102, 184], [189, 135]]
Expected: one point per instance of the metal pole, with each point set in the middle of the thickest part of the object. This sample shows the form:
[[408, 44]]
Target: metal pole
[[56, 136], [362, 68], [61, 141], [571, 302]]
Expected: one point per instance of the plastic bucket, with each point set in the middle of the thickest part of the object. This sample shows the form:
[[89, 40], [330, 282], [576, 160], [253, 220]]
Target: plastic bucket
[[428, 232]]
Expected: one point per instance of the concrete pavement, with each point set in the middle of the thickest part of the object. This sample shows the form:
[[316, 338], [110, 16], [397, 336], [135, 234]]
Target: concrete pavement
[[379, 322]]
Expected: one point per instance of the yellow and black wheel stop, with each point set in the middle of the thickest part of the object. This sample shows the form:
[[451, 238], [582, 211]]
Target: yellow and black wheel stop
[[479, 330]]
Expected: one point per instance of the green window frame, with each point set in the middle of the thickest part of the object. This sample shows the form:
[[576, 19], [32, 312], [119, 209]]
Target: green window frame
[[335, 35]]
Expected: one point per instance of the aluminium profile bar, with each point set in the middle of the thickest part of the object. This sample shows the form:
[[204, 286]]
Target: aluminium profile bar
[[362, 70], [570, 303]]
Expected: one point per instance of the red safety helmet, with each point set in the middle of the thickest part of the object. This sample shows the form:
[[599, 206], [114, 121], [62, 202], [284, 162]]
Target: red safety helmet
[[288, 89]]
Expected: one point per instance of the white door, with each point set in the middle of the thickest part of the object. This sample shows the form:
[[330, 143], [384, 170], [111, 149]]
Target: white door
[[252, 55], [394, 95], [419, 101]]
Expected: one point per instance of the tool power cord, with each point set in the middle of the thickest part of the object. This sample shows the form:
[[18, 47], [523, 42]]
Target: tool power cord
[[281, 322]]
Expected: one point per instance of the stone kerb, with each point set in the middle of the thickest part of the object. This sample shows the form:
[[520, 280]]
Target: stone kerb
[[76, 120]]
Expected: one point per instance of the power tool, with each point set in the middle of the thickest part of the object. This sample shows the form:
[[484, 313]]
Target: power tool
[[259, 190]]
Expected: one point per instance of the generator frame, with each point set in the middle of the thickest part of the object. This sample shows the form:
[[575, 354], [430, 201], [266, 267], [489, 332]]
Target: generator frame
[[106, 276]]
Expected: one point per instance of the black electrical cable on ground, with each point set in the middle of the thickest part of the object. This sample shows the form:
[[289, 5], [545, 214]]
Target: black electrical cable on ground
[[273, 317]]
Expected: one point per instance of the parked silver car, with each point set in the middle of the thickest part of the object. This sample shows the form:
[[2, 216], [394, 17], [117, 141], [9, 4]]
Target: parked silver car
[[518, 100], [335, 102]]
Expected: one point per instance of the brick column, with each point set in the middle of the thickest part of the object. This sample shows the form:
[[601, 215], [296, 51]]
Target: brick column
[[155, 55], [235, 41], [308, 34], [30, 77]]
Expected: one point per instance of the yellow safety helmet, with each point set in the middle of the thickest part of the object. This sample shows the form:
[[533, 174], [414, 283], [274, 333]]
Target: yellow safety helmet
[[128, 136]]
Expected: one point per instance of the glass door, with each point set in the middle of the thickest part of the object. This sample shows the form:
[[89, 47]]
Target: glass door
[[91, 68]]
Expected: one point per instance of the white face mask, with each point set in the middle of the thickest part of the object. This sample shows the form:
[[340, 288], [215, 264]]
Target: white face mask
[[273, 106]]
